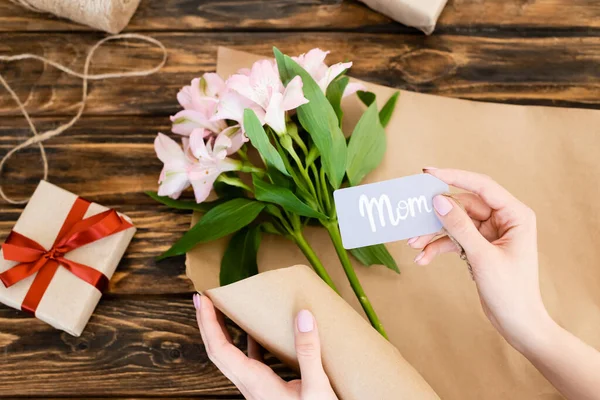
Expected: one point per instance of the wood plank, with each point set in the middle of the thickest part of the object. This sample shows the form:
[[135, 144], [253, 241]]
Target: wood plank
[[543, 71], [474, 16], [131, 347], [110, 161]]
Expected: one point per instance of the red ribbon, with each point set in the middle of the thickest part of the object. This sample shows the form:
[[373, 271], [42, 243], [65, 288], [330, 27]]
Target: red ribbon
[[75, 232]]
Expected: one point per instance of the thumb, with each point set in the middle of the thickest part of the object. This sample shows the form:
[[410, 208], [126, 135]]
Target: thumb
[[308, 350], [459, 225]]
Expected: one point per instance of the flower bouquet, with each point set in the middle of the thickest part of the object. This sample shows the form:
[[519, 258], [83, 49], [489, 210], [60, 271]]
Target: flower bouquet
[[269, 143]]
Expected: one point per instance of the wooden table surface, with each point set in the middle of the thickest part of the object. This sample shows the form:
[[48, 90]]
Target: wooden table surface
[[142, 341]]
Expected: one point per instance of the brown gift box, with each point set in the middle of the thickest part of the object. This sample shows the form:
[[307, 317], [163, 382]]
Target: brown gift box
[[547, 157], [68, 301]]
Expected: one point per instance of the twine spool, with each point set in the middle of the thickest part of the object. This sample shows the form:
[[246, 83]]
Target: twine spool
[[107, 15], [39, 138]]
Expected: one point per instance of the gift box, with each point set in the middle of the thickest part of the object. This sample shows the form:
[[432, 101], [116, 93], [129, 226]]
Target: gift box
[[420, 14], [60, 256]]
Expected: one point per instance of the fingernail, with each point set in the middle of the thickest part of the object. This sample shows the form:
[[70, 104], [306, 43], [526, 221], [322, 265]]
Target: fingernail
[[442, 205], [305, 321], [419, 256], [196, 298], [412, 240], [425, 169]]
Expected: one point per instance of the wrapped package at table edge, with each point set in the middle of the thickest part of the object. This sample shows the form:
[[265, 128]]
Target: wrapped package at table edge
[[262, 305], [68, 302], [420, 14], [433, 314]]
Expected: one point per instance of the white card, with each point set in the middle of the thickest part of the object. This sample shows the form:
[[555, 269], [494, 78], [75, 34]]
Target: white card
[[388, 211]]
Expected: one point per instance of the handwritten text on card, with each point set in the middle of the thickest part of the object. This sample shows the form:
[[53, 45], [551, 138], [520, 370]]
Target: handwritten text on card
[[388, 211]]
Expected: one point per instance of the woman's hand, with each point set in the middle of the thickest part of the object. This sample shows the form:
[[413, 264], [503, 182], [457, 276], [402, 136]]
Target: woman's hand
[[498, 234], [254, 379]]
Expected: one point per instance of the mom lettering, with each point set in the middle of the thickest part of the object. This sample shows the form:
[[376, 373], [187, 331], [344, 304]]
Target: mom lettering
[[381, 209]]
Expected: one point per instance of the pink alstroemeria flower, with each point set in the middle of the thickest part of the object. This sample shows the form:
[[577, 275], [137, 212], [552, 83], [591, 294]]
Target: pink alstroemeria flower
[[263, 87], [232, 105], [173, 177], [314, 63], [211, 159], [199, 101]]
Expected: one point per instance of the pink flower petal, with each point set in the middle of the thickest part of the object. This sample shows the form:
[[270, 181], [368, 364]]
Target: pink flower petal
[[275, 116], [198, 145], [184, 97], [352, 88], [293, 97], [332, 73], [167, 150]]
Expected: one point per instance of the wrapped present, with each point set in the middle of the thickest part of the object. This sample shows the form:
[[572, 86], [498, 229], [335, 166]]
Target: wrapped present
[[60, 256], [420, 14]]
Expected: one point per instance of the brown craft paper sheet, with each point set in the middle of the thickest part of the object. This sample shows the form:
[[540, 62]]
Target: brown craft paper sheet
[[341, 329], [421, 14], [547, 157], [68, 302]]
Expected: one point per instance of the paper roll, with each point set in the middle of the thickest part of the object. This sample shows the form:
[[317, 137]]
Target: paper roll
[[420, 14], [108, 15], [360, 363]]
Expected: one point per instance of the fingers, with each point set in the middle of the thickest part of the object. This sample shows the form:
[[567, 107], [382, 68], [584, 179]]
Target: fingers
[[246, 374], [308, 350], [439, 246], [459, 225], [491, 192]]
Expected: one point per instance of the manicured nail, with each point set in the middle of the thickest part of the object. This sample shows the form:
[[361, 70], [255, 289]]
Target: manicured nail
[[419, 256], [305, 321], [196, 298], [442, 205], [412, 240], [425, 169]]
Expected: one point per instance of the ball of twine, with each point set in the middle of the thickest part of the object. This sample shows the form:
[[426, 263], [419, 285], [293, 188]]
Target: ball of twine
[[108, 15]]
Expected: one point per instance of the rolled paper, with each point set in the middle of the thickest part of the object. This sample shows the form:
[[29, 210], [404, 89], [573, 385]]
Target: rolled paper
[[420, 14], [360, 363], [107, 15]]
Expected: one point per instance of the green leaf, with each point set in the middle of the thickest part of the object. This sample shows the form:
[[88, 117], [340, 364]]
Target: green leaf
[[366, 147], [283, 197], [320, 120], [225, 191], [388, 109], [239, 260], [184, 204], [366, 97], [259, 139], [220, 221], [280, 59], [335, 91], [375, 255]]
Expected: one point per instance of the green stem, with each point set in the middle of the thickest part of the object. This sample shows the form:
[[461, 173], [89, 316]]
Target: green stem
[[325, 191], [334, 233], [310, 254]]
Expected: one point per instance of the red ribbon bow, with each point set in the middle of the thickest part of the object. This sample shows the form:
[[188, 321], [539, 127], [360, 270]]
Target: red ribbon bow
[[74, 233]]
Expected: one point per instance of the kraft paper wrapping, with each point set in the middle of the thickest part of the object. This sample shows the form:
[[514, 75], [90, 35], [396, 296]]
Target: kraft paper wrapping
[[395, 379], [68, 302], [420, 14], [547, 157]]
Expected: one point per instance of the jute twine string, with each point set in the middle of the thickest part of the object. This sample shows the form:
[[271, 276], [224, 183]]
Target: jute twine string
[[40, 138]]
